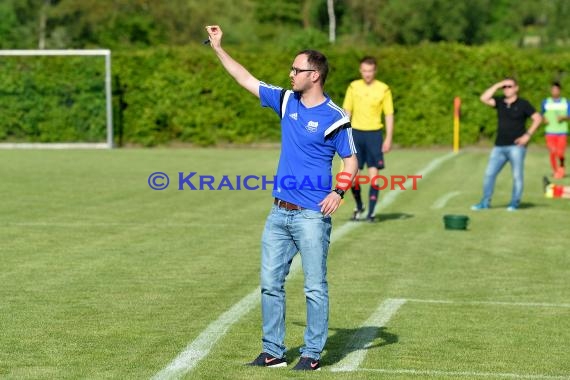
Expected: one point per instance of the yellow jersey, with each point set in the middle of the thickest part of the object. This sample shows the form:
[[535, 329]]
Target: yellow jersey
[[365, 103]]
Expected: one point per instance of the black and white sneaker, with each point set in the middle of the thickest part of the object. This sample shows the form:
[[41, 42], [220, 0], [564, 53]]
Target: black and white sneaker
[[545, 183], [266, 360], [307, 364], [358, 214]]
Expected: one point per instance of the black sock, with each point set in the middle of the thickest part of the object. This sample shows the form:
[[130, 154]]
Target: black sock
[[373, 198], [357, 197]]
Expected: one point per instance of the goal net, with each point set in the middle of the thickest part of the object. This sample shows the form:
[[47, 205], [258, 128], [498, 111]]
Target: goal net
[[55, 99]]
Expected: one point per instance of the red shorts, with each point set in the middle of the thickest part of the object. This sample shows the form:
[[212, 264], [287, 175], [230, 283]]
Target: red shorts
[[556, 144]]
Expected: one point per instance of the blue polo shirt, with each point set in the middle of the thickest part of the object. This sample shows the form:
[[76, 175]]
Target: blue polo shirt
[[310, 137]]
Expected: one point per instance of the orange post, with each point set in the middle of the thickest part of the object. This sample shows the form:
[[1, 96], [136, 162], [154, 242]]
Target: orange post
[[456, 112]]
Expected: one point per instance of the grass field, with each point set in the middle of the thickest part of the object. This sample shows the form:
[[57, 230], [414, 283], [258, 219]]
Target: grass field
[[104, 278]]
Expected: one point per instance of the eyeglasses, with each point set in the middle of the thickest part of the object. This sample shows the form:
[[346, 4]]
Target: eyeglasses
[[508, 86], [297, 71]]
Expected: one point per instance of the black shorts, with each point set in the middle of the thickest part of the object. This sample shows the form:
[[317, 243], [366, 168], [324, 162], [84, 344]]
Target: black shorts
[[369, 148]]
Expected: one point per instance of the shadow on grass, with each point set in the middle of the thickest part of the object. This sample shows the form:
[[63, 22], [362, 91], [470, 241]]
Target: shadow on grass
[[342, 342], [393, 216], [522, 205], [525, 205]]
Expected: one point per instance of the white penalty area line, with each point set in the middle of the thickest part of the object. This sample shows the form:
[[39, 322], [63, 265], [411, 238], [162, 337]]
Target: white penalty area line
[[436, 373], [198, 349]]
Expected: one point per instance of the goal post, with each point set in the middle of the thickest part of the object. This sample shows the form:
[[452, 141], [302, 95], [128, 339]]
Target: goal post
[[108, 98]]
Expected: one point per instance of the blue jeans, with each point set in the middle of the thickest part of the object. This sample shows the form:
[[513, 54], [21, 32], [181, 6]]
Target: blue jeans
[[500, 155], [286, 233]]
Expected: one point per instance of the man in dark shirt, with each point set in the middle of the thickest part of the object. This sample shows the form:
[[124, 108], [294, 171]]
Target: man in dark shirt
[[512, 139]]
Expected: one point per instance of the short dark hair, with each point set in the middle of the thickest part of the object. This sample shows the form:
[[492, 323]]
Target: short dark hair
[[318, 61], [513, 79], [556, 84], [369, 60]]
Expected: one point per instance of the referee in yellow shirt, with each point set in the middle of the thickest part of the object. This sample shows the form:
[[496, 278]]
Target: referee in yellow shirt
[[365, 101]]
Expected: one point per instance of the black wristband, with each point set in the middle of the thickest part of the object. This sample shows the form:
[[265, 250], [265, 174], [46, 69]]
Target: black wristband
[[339, 192]]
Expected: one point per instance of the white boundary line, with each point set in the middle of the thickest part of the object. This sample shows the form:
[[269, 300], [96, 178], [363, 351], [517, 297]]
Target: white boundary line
[[442, 201], [436, 373], [201, 346], [494, 303], [363, 337]]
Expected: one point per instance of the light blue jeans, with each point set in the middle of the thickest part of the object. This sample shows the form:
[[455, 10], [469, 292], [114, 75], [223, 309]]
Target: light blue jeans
[[286, 233], [500, 155]]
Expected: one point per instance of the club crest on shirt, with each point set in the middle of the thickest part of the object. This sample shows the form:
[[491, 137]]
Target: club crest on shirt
[[293, 116], [312, 126]]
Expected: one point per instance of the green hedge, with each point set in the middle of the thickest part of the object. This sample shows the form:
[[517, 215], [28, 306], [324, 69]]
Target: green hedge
[[184, 95], [46, 99]]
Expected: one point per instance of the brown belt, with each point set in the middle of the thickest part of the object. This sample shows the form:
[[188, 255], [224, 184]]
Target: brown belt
[[286, 205]]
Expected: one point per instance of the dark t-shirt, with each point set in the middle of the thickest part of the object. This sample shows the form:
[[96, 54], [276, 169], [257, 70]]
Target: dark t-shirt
[[511, 119]]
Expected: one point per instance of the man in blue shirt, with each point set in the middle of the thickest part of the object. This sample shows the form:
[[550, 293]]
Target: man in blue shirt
[[313, 129]]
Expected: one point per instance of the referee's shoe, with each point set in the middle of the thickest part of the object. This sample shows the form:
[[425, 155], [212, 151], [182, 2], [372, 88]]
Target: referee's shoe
[[358, 214]]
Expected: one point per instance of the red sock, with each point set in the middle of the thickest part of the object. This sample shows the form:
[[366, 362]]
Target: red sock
[[553, 160]]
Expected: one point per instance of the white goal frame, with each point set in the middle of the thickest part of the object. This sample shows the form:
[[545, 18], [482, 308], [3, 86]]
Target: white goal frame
[[108, 95]]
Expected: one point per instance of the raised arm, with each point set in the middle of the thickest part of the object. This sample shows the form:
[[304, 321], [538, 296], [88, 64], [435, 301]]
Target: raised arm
[[487, 96], [235, 69]]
